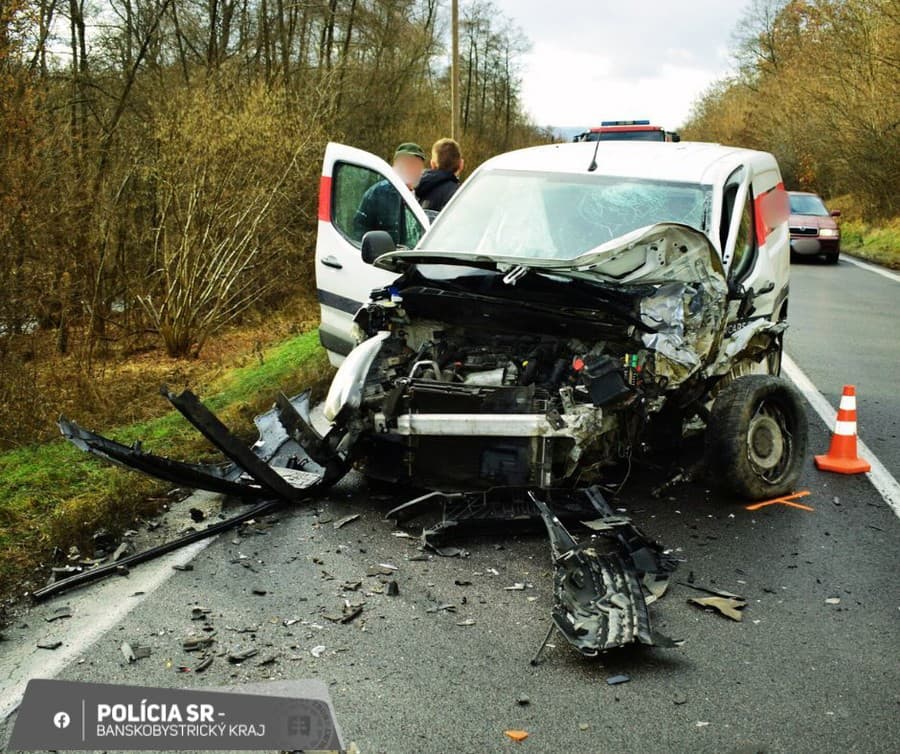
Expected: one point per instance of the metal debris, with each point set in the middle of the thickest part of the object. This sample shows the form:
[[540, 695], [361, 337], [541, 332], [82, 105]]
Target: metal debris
[[134, 652], [48, 644], [237, 657], [183, 567], [615, 680], [713, 592], [60, 612], [195, 643], [345, 520], [727, 606], [441, 608], [393, 588], [317, 651], [599, 599], [348, 614], [382, 569]]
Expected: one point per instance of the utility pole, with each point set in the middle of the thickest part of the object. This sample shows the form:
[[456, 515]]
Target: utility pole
[[454, 73]]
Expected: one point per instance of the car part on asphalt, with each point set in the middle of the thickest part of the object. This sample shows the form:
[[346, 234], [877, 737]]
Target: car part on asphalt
[[730, 607], [108, 569], [250, 473], [599, 600], [788, 500]]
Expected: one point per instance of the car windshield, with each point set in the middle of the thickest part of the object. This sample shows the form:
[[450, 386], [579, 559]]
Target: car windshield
[[538, 215], [807, 204]]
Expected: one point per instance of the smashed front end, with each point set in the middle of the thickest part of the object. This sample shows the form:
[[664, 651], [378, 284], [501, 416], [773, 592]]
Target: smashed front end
[[479, 373]]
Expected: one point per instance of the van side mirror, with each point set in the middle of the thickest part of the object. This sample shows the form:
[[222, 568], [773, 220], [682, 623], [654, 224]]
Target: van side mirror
[[835, 213], [375, 243]]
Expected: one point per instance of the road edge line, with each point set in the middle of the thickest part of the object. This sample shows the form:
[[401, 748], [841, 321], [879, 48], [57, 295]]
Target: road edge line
[[61, 658], [882, 480], [871, 267]]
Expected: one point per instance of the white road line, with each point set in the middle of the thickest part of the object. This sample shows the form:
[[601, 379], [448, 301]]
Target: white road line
[[871, 268], [879, 476], [95, 613]]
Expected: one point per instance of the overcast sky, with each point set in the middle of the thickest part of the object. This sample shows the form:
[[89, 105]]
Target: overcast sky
[[621, 59]]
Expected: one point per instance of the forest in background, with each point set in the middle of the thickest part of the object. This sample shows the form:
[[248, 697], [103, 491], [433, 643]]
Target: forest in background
[[160, 163], [817, 83]]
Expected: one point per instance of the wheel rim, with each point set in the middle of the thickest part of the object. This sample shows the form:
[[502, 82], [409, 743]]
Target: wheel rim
[[769, 442]]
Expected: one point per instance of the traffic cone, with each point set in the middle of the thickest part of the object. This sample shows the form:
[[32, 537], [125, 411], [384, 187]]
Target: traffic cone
[[841, 456]]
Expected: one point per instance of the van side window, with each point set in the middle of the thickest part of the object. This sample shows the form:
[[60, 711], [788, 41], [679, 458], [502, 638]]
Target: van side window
[[364, 200], [745, 244]]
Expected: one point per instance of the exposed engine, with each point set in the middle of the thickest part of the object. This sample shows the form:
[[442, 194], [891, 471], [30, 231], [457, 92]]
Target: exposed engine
[[452, 405]]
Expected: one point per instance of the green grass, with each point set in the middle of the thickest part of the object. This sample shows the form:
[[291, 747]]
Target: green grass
[[53, 495], [876, 243]]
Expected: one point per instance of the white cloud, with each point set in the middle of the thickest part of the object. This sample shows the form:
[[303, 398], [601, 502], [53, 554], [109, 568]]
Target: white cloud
[[611, 60], [563, 87]]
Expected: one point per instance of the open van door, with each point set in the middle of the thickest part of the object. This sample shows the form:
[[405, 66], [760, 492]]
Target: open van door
[[358, 192]]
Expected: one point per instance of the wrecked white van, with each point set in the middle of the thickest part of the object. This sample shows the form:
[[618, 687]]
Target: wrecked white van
[[572, 305]]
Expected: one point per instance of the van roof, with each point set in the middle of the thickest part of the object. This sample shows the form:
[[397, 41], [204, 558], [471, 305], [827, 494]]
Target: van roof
[[689, 162]]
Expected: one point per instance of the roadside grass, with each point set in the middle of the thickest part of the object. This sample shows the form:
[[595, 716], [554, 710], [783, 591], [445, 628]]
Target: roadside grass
[[875, 243], [865, 236], [54, 496]]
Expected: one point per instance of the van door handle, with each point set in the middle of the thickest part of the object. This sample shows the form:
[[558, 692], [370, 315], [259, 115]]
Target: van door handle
[[332, 261]]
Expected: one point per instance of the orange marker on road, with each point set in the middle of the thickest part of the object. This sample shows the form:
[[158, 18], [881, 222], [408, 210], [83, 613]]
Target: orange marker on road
[[786, 500]]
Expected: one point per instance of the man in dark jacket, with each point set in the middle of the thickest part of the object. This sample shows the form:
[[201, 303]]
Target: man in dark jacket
[[381, 207], [437, 185]]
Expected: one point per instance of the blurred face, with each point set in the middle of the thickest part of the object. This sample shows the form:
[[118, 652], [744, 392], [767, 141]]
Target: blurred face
[[409, 168]]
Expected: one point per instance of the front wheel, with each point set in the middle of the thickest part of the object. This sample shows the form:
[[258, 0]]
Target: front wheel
[[756, 438]]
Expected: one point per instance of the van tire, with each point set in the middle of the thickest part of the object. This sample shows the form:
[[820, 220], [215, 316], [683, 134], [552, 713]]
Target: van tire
[[757, 436]]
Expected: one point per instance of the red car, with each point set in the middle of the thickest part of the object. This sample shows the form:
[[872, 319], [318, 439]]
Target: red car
[[813, 229]]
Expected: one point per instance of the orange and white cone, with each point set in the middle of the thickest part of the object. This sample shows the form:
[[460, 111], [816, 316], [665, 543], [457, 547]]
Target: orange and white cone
[[841, 456]]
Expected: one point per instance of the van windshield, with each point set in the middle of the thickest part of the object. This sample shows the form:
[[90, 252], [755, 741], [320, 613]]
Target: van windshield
[[538, 215]]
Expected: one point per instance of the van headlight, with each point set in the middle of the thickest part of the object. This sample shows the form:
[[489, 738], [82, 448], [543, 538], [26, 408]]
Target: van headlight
[[347, 386]]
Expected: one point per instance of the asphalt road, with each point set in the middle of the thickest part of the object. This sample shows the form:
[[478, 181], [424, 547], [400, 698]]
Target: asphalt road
[[796, 675]]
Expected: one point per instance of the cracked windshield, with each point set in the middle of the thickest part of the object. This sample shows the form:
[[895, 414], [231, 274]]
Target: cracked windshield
[[560, 216]]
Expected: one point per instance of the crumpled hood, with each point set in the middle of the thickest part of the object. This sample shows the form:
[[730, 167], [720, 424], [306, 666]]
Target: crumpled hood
[[687, 311], [654, 254]]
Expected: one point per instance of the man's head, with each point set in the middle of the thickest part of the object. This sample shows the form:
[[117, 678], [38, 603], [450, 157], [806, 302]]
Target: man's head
[[445, 155], [409, 162]]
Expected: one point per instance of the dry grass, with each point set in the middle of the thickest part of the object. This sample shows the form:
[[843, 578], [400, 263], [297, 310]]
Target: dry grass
[[53, 496], [121, 387]]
